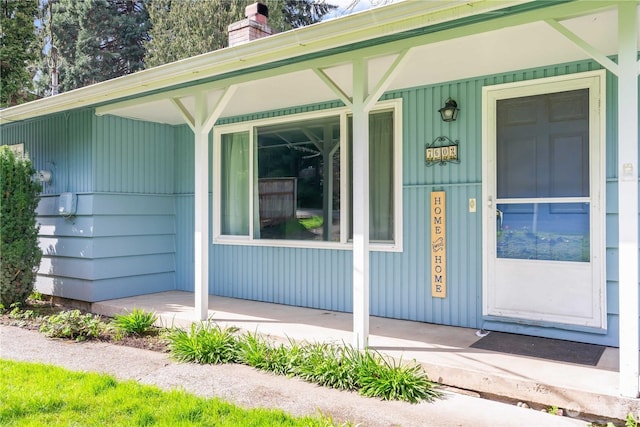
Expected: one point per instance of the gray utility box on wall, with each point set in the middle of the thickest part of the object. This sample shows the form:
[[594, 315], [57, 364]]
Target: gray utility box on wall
[[67, 204]]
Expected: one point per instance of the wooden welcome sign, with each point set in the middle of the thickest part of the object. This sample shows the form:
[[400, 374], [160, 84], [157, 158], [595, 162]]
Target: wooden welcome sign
[[438, 245]]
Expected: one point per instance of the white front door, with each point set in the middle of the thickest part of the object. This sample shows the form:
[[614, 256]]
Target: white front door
[[544, 213]]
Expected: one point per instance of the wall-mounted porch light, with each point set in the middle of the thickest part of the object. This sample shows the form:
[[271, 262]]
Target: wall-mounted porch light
[[449, 112]]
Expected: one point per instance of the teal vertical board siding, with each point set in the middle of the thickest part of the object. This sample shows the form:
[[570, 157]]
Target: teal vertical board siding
[[400, 282], [59, 143], [184, 160], [184, 242], [302, 277], [133, 156]]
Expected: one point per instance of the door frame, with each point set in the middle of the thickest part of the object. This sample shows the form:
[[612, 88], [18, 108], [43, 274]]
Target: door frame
[[595, 81]]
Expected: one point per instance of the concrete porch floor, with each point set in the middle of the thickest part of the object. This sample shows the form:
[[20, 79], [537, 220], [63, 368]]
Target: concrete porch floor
[[443, 351]]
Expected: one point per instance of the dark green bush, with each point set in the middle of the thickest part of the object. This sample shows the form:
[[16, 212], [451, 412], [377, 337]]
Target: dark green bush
[[19, 251]]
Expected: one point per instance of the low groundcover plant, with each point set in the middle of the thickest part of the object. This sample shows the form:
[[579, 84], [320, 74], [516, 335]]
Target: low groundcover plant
[[73, 324]]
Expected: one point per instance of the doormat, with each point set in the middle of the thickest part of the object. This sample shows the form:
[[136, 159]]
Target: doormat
[[543, 348]]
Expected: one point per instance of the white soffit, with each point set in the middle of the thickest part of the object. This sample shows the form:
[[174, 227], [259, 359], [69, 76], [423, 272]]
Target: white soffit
[[283, 91], [159, 111], [505, 50]]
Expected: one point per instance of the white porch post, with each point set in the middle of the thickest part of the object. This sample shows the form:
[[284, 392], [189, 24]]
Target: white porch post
[[360, 192], [628, 197], [201, 208]]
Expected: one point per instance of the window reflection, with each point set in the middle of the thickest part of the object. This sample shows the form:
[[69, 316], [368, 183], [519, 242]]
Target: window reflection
[[543, 231]]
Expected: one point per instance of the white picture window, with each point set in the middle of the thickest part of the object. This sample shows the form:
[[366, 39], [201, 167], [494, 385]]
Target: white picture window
[[18, 150], [287, 181]]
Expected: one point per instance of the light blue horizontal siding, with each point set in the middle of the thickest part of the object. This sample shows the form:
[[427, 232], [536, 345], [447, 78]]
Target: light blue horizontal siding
[[107, 268], [107, 247], [117, 245], [100, 290]]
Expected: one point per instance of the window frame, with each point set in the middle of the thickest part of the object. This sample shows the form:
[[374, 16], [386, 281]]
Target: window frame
[[18, 149], [250, 126]]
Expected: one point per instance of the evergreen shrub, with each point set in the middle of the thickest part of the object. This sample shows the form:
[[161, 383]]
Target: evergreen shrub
[[19, 251]]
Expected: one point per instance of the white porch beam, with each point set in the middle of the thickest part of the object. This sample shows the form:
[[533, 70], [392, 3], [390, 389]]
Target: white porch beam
[[186, 115], [203, 123], [628, 197], [220, 106], [586, 47], [201, 209], [346, 99], [360, 185], [385, 80]]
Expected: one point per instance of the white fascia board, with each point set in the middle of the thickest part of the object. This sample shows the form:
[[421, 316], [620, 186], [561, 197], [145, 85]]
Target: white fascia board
[[370, 24]]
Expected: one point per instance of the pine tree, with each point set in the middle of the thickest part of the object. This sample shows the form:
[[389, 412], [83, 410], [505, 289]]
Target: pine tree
[[185, 28], [95, 40], [18, 48]]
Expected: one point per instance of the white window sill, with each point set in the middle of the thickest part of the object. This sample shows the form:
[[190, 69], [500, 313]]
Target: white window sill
[[302, 244]]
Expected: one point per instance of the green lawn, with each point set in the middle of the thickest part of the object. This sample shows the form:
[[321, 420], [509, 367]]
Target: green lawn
[[33, 394]]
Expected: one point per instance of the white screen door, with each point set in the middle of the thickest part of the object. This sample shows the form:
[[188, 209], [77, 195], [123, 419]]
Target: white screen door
[[543, 222]]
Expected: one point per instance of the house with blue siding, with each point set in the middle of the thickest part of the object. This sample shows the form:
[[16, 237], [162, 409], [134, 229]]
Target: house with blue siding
[[470, 163]]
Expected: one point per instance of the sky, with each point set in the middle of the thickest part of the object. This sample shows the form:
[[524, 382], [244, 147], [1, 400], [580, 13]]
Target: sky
[[346, 7]]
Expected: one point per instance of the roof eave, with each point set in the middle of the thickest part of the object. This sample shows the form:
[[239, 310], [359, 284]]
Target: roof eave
[[374, 23]]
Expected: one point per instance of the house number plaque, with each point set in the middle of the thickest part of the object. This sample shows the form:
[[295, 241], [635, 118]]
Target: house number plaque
[[438, 245]]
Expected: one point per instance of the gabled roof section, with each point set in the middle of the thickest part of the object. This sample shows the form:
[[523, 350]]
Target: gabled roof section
[[393, 22]]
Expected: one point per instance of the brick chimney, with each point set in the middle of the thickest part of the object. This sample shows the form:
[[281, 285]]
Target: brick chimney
[[253, 27]]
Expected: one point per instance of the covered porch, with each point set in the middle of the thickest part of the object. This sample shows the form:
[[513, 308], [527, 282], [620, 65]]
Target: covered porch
[[378, 53], [453, 49], [445, 352]]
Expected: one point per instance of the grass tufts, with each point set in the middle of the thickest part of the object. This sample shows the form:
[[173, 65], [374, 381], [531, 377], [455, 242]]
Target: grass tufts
[[136, 322], [341, 367], [389, 379], [204, 343]]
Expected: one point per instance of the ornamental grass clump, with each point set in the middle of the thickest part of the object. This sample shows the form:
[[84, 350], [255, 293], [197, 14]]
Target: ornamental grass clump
[[389, 379], [204, 343], [137, 322], [259, 353], [328, 365]]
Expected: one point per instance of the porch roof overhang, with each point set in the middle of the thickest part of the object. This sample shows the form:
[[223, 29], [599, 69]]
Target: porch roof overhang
[[477, 37]]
